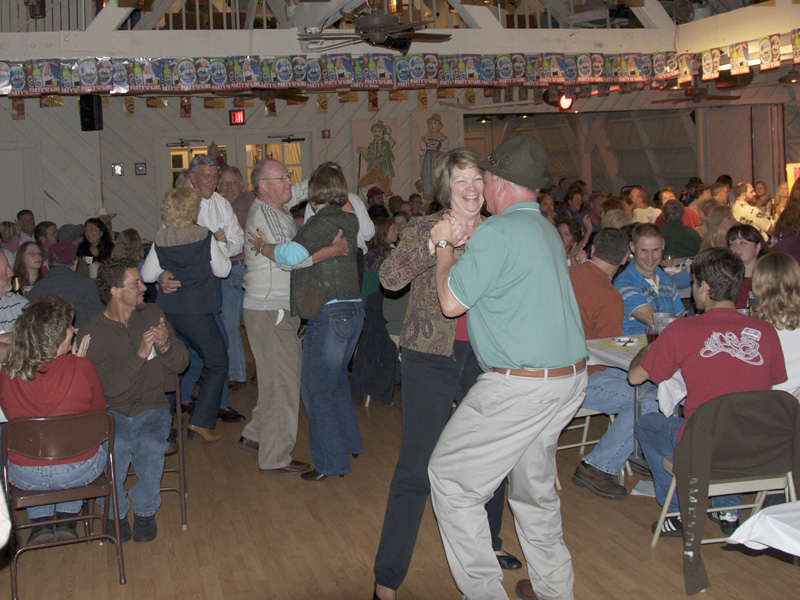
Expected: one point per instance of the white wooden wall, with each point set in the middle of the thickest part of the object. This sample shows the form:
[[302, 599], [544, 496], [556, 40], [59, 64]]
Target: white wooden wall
[[51, 166]]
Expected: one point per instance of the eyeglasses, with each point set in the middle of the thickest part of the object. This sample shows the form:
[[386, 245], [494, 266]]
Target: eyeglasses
[[229, 183], [209, 177], [282, 178]]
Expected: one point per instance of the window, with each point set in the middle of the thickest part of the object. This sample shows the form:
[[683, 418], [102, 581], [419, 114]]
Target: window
[[290, 154]]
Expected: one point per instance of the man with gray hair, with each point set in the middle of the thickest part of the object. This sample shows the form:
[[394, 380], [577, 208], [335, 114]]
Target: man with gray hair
[[217, 215], [231, 186], [272, 331], [62, 280]]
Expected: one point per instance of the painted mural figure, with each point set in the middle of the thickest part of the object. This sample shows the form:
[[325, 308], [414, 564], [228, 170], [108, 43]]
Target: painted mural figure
[[432, 145], [379, 158]]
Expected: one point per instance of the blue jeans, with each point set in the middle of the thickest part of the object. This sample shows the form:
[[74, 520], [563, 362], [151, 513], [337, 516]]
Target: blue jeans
[[203, 334], [232, 297], [58, 477], [610, 393], [658, 436], [141, 441], [327, 348]]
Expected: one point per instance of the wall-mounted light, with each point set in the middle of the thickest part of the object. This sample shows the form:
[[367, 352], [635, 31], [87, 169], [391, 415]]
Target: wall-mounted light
[[484, 119], [562, 101]]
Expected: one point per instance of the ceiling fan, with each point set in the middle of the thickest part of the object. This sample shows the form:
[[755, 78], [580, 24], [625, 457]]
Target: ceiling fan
[[288, 94], [694, 94], [378, 29]]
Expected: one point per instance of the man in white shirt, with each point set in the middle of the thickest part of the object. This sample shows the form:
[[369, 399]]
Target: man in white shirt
[[217, 215], [26, 224], [746, 212], [643, 212]]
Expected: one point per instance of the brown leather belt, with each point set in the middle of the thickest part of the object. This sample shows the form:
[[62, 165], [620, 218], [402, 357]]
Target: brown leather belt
[[237, 261], [559, 372]]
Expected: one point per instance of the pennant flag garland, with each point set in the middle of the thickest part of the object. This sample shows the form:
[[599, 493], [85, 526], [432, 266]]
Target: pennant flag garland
[[186, 107], [322, 104], [18, 109], [372, 100], [269, 107], [770, 52], [213, 102], [51, 101], [739, 55], [709, 64], [422, 100], [129, 108], [796, 46]]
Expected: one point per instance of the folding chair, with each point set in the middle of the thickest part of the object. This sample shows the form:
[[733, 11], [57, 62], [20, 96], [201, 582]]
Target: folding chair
[[54, 438]]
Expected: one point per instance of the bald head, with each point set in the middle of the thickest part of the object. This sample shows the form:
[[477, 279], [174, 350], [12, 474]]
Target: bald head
[[272, 182]]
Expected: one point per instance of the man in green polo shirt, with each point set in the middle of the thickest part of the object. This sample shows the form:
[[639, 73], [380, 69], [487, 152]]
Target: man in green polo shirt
[[525, 327]]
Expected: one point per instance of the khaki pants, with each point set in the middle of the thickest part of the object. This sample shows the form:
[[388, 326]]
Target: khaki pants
[[276, 349], [505, 426]]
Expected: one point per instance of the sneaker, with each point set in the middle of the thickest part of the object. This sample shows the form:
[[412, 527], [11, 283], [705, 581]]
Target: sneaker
[[40, 534], [727, 521], [66, 531], [598, 482], [671, 528], [144, 528], [124, 529]]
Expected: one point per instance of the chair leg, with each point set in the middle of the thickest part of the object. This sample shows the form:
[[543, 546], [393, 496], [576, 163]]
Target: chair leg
[[181, 469], [664, 512], [586, 421]]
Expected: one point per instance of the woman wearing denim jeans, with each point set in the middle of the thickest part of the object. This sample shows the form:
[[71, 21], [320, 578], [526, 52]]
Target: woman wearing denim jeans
[[327, 294], [41, 378]]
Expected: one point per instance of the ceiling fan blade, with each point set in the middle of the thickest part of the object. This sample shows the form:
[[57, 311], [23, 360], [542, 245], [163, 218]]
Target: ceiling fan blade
[[432, 38], [329, 36], [669, 101], [722, 97]]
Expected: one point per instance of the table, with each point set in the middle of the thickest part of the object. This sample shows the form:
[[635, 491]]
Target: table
[[775, 526], [612, 353]]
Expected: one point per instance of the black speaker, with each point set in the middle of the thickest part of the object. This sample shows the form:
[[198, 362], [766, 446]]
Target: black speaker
[[91, 110]]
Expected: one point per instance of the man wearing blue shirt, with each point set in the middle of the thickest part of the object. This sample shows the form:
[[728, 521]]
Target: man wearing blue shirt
[[646, 289]]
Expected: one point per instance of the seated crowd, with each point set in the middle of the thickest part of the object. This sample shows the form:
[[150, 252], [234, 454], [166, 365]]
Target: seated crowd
[[78, 331]]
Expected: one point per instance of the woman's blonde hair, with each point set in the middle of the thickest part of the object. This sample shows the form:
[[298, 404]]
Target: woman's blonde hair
[[180, 207], [776, 286], [128, 245], [8, 230], [38, 332]]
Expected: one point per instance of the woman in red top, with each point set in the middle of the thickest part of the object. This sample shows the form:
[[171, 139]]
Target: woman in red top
[[41, 378]]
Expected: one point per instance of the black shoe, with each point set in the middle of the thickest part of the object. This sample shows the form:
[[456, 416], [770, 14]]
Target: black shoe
[[508, 562], [144, 528], [230, 415], [66, 531], [728, 523], [316, 476], [124, 529], [671, 528], [40, 534], [598, 482]]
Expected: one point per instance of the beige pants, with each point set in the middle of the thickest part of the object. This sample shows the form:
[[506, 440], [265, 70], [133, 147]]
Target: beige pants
[[276, 349], [505, 426]]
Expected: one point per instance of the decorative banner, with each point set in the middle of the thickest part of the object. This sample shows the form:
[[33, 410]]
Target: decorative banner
[[144, 74], [43, 76], [469, 96], [684, 68], [796, 46], [105, 101], [18, 109], [380, 70], [243, 71], [532, 70], [243, 102], [348, 97], [296, 102], [119, 76], [445, 69], [631, 67], [522, 93], [213, 102], [269, 107], [51, 101], [583, 65], [372, 154], [770, 52], [740, 55], [422, 99], [445, 93], [398, 95], [660, 66], [186, 107], [487, 68], [128, 107], [488, 92], [468, 69], [322, 104], [570, 70], [372, 101], [433, 134], [552, 68], [709, 64], [157, 102], [508, 95]]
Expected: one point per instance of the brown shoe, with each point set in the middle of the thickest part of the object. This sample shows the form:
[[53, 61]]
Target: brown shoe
[[254, 379], [230, 415], [524, 590], [235, 385], [247, 444], [598, 482], [293, 468]]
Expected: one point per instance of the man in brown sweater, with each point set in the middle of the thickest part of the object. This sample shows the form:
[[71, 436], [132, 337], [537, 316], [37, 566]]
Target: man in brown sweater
[[131, 346]]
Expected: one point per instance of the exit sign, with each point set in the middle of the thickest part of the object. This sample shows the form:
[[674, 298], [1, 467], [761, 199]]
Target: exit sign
[[236, 117]]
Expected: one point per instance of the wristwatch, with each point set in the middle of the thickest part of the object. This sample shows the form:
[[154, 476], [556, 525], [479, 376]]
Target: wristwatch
[[444, 244]]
